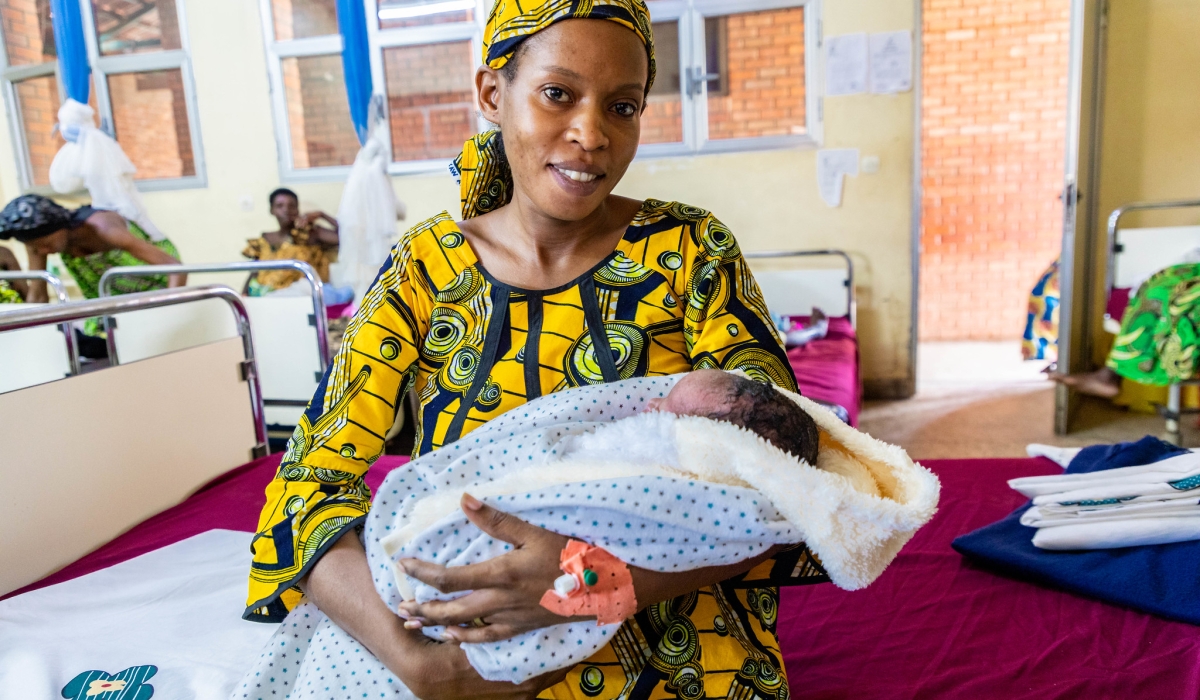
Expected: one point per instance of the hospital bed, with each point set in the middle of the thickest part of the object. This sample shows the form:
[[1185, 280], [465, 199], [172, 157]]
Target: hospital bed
[[291, 332], [1134, 255], [153, 584], [36, 355], [827, 369]]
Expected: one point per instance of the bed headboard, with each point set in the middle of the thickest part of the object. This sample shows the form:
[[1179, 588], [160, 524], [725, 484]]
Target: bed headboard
[[794, 292], [89, 456], [1135, 253]]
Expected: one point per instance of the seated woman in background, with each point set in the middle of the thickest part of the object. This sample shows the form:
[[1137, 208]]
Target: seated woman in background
[[11, 291], [1159, 337], [90, 242], [299, 238]]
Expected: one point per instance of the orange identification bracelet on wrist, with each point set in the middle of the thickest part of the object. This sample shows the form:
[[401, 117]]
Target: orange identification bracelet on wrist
[[594, 583]]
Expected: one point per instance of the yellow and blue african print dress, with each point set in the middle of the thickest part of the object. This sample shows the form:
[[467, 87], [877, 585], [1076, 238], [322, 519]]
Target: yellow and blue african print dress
[[675, 295]]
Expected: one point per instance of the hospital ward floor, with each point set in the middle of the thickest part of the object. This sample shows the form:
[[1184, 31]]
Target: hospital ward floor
[[978, 399]]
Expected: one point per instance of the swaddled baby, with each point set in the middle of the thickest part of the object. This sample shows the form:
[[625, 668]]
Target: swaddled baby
[[725, 469], [602, 464]]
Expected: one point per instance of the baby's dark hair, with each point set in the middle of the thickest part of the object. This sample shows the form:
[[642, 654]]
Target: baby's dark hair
[[759, 408]]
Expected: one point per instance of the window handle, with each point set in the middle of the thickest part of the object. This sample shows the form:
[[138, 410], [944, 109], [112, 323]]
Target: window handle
[[697, 78]]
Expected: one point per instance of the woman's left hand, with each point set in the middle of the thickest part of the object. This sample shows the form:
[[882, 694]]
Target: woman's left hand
[[506, 591]]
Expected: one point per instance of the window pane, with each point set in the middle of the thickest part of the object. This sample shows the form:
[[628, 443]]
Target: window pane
[[28, 34], [150, 122], [662, 122], [318, 112], [758, 58], [37, 99], [431, 99], [297, 19], [416, 13], [136, 26]]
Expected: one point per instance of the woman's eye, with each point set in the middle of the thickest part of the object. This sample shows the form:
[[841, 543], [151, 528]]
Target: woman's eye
[[555, 94], [625, 109]]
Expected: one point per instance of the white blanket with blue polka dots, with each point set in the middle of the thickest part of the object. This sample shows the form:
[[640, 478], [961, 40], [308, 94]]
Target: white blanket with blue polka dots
[[656, 490]]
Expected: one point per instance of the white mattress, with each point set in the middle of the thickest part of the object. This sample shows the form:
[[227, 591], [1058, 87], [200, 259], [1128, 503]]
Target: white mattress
[[170, 619]]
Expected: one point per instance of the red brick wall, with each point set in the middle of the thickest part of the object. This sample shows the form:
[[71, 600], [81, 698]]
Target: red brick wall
[[761, 56], [764, 73], [297, 19], [150, 121], [431, 99], [318, 112], [29, 39], [993, 127]]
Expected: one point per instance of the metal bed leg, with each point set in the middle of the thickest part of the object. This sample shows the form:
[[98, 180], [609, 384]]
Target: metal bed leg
[[1173, 407]]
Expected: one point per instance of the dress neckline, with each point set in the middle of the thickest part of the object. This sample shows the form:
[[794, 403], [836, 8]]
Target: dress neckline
[[475, 261]]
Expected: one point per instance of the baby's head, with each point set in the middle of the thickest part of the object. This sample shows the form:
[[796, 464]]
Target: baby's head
[[755, 406]]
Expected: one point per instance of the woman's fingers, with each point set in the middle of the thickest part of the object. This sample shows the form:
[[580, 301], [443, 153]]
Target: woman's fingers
[[451, 579], [497, 523], [459, 611], [480, 635]]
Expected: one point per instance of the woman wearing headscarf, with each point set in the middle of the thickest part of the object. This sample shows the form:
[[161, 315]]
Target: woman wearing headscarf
[[89, 241], [550, 281]]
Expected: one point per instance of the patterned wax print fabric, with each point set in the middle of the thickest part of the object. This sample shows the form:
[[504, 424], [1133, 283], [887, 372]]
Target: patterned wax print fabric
[[675, 295], [481, 169], [88, 269], [1157, 342], [715, 643], [1040, 341], [297, 248], [8, 295]]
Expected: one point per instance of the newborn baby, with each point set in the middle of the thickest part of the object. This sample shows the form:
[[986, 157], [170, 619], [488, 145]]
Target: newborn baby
[[669, 473], [755, 406]]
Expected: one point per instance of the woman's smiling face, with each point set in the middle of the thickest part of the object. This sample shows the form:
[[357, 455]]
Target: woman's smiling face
[[571, 113]]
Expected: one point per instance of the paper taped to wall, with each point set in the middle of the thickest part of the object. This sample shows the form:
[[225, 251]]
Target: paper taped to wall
[[833, 165], [891, 62], [846, 64]]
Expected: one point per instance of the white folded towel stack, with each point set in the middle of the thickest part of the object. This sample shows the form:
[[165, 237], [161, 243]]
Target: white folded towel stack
[[1152, 504]]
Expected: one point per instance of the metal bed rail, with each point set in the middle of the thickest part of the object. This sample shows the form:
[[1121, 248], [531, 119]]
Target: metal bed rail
[[104, 306], [252, 266], [60, 291], [826, 252]]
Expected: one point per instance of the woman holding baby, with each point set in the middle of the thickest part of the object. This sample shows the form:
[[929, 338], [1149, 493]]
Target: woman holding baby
[[550, 281]]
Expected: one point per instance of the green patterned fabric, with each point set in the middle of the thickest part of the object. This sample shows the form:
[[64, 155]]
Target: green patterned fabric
[[8, 295], [1157, 344], [88, 269]]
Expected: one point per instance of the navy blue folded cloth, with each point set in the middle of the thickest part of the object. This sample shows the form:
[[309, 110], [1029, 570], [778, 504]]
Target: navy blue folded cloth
[[1162, 580]]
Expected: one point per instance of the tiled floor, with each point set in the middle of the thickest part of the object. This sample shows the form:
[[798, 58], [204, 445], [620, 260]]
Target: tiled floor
[[978, 399]]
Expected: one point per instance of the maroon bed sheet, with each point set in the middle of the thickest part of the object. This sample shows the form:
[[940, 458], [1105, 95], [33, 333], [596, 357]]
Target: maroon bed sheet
[[827, 369], [936, 626], [932, 626]]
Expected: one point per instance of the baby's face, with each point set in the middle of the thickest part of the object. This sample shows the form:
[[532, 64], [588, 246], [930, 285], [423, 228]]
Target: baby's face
[[699, 393]]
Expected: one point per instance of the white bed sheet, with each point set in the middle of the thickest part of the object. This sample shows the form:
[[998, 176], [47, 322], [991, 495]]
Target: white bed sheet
[[176, 609]]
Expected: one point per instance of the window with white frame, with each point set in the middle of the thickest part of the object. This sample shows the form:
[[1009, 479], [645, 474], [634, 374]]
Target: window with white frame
[[732, 75], [141, 87], [423, 53]]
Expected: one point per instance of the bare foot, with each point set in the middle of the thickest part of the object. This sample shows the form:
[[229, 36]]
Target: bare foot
[[816, 317], [1103, 382]]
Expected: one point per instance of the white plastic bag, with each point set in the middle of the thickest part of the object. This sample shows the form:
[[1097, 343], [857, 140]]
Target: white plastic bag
[[91, 158]]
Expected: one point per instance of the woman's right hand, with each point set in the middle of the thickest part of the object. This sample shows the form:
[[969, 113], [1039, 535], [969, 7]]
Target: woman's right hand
[[340, 586], [440, 671]]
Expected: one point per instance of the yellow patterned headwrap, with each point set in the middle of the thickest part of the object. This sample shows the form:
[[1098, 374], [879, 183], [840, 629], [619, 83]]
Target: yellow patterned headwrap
[[485, 181]]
